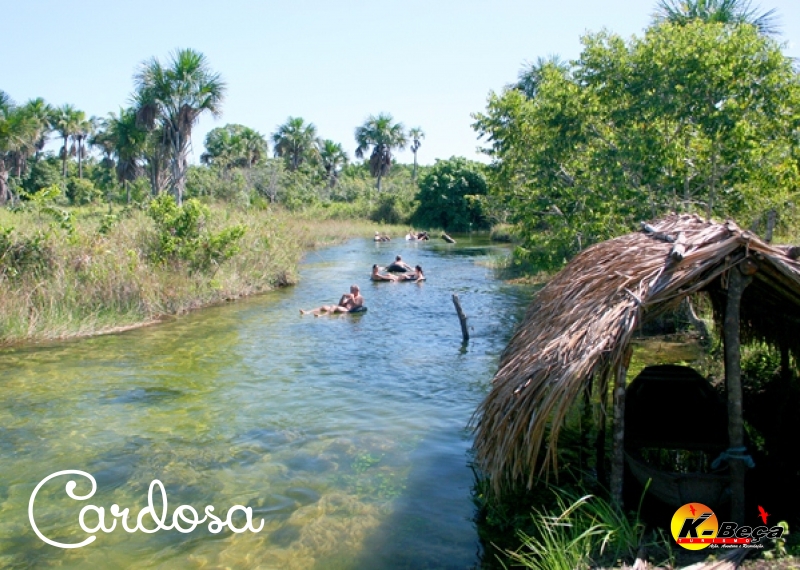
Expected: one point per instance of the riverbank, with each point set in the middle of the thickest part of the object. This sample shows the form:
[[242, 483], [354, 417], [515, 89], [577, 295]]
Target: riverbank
[[83, 272]]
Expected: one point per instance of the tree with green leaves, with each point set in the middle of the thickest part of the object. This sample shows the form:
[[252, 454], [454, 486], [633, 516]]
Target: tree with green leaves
[[66, 121], [384, 136], [121, 137], [416, 135], [234, 146], [84, 129], [295, 141], [333, 158], [731, 12], [691, 117], [171, 98], [23, 130], [530, 76], [31, 123], [40, 114], [450, 195]]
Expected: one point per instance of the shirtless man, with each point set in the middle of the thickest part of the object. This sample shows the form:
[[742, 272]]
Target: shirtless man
[[347, 303], [399, 265], [378, 276]]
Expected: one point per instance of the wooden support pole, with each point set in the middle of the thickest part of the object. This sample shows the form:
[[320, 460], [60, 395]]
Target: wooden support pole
[[602, 420], [618, 437], [786, 370], [461, 317], [737, 282]]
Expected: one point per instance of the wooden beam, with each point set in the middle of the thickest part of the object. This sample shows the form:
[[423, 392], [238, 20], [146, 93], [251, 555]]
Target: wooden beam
[[618, 437], [737, 282]]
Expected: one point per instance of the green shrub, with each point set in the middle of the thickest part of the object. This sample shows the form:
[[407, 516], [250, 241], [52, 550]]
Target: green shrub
[[21, 255], [81, 191], [450, 196], [182, 234]]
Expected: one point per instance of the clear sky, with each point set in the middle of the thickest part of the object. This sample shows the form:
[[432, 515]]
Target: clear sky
[[429, 63]]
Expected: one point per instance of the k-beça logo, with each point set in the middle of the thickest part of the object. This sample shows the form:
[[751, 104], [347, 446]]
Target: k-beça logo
[[695, 526]]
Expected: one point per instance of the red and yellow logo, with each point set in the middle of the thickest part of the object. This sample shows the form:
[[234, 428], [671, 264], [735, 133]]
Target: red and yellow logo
[[694, 526]]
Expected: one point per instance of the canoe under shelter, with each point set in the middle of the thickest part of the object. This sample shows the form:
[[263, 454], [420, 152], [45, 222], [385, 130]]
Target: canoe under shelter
[[577, 336]]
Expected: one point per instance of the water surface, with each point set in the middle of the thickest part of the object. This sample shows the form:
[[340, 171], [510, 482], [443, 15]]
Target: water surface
[[345, 434]]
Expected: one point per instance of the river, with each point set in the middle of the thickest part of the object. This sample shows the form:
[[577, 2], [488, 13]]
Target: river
[[345, 434]]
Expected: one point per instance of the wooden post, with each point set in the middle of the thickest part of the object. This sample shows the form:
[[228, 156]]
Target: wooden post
[[618, 437], [461, 317], [733, 382], [600, 441]]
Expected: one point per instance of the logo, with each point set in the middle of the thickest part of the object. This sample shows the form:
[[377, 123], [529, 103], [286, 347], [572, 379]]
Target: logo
[[695, 527]]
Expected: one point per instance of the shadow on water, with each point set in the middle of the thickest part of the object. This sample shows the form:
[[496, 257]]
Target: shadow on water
[[427, 509]]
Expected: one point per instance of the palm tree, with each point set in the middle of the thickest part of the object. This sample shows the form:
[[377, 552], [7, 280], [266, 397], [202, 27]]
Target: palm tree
[[172, 98], [19, 134], [332, 157], [66, 120], [40, 113], [531, 75], [83, 130], [32, 122], [721, 11], [416, 135], [122, 138], [383, 136], [234, 145], [295, 141]]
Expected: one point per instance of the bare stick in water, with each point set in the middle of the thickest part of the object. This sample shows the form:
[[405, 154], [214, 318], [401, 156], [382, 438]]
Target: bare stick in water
[[461, 317]]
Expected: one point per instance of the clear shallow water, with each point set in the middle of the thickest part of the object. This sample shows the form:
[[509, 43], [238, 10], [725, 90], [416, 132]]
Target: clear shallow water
[[345, 434]]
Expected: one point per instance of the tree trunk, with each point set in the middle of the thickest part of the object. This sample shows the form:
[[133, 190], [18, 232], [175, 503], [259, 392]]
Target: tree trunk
[[5, 193], [772, 217], [414, 174], [80, 157], [179, 167], [733, 382], [64, 158]]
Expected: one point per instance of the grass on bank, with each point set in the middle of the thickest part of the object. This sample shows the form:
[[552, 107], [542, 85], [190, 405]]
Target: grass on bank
[[82, 271]]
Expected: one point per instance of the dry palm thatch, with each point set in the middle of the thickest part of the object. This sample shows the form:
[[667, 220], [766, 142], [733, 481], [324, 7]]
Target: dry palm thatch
[[580, 325]]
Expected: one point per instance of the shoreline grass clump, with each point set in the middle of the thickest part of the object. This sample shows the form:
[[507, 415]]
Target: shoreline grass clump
[[69, 272]]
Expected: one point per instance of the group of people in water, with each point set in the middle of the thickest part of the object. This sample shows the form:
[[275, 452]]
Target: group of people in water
[[410, 236], [398, 270], [353, 302]]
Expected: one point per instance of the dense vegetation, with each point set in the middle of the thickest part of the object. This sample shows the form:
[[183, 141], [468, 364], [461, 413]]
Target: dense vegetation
[[694, 115]]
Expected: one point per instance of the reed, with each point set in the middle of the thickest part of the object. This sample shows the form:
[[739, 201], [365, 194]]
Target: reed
[[89, 271]]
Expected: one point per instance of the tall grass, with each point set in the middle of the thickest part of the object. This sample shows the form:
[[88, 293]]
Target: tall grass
[[95, 271], [583, 532]]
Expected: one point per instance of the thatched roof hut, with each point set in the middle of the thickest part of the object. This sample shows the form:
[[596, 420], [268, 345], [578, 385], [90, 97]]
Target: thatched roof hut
[[580, 326]]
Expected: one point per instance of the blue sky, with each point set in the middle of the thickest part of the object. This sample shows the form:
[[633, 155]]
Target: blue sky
[[430, 63]]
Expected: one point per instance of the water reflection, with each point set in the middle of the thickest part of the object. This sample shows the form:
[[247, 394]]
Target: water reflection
[[345, 435]]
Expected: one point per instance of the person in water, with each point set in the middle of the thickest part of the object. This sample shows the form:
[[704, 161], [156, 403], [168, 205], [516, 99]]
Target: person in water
[[418, 275], [349, 302], [378, 276], [399, 266]]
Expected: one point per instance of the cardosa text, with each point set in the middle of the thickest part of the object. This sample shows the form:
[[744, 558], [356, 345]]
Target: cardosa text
[[184, 518]]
